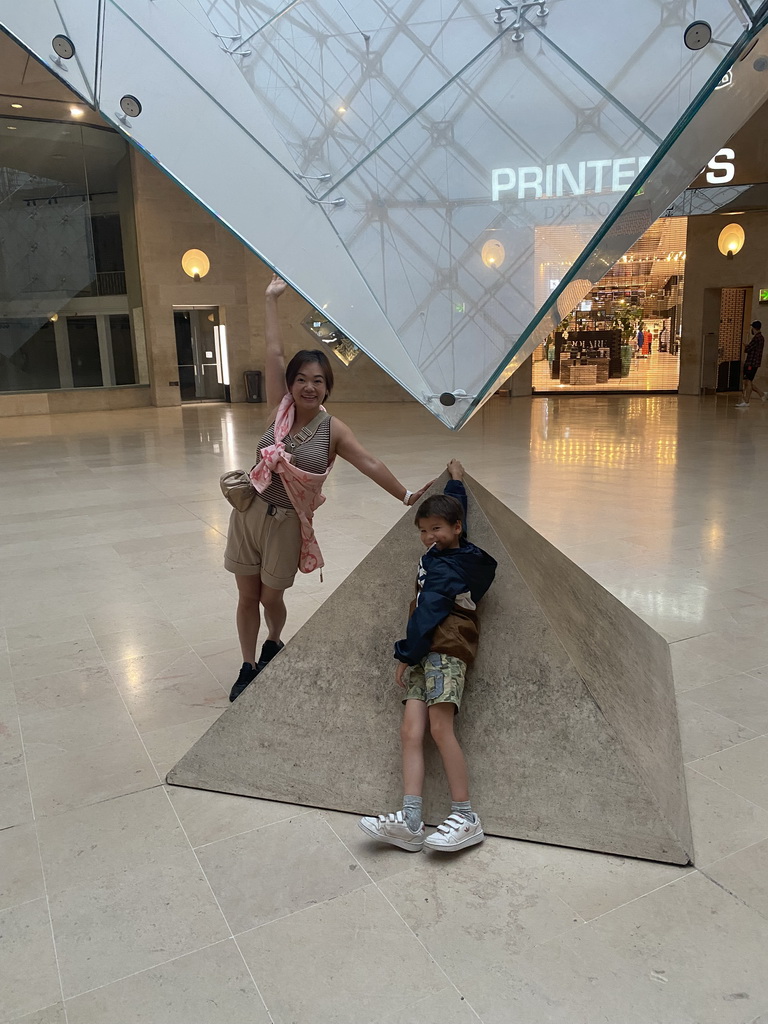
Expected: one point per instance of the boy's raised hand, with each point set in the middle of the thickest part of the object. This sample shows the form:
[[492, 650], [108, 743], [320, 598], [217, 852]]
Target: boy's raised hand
[[400, 674]]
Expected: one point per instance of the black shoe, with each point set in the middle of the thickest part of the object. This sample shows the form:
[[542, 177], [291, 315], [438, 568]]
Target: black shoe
[[268, 651], [247, 674]]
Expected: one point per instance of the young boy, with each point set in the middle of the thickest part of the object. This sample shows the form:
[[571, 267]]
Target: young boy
[[441, 642]]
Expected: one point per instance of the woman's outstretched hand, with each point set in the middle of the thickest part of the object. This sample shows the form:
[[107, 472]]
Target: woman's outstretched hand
[[276, 287], [416, 496]]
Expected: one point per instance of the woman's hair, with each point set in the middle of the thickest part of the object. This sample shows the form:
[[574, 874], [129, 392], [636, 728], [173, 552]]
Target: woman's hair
[[442, 506], [306, 355]]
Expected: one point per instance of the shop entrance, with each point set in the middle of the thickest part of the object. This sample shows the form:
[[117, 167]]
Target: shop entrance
[[733, 304], [201, 354]]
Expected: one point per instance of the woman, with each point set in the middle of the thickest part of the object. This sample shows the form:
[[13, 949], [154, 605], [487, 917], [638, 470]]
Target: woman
[[265, 543]]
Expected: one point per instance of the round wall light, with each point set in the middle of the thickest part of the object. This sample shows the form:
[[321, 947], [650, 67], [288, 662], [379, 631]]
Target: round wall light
[[493, 254], [731, 240], [195, 263]]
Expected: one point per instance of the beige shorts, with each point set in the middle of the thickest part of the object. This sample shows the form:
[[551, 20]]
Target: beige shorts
[[264, 541]]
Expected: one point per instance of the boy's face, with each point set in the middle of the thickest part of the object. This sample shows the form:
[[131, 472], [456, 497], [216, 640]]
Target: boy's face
[[438, 531]]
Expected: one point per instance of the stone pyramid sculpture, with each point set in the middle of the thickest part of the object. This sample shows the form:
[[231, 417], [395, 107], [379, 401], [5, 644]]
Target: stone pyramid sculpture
[[569, 722]]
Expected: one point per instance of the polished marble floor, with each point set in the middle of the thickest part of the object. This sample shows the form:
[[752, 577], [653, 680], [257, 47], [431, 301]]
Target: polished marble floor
[[123, 902]]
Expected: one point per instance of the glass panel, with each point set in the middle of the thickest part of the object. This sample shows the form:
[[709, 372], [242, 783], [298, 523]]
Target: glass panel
[[28, 359], [121, 341], [84, 351], [59, 234], [36, 24], [454, 143]]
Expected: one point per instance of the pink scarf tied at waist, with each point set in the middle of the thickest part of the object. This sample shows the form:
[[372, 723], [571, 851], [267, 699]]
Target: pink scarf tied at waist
[[303, 488]]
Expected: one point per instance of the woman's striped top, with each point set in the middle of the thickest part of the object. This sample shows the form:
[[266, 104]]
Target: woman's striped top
[[313, 456]]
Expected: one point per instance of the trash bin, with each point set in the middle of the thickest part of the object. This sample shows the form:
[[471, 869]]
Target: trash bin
[[253, 386]]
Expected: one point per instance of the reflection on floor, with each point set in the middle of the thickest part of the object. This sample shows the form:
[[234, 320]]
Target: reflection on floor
[[121, 902], [657, 372]]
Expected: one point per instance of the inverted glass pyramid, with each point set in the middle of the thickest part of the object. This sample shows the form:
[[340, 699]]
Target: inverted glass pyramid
[[444, 181]]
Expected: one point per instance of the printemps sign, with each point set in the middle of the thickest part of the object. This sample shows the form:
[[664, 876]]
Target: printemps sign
[[589, 177]]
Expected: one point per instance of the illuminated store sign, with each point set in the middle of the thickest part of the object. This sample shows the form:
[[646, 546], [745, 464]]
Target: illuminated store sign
[[558, 180], [554, 181], [721, 169]]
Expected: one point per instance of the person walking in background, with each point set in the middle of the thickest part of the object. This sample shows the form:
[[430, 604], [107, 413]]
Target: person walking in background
[[753, 357]]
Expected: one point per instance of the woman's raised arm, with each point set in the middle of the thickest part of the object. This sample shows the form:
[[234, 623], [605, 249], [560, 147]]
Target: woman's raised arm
[[274, 363]]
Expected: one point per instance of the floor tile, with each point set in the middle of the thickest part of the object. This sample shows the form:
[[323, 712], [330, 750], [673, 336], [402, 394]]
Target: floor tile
[[210, 817], [278, 869], [133, 920], [222, 658], [58, 690], [722, 822], [379, 860], [50, 1015], [15, 802], [741, 698], [211, 986], [168, 745], [355, 958], [704, 732], [21, 876], [149, 638], [75, 728], [79, 777], [11, 752], [446, 1007], [692, 670], [742, 769], [181, 691], [745, 874], [71, 655], [709, 950], [441, 898], [116, 615], [47, 631], [202, 629], [26, 952], [103, 840]]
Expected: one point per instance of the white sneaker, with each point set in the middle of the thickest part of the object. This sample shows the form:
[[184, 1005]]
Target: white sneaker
[[742, 405], [393, 829], [456, 833]]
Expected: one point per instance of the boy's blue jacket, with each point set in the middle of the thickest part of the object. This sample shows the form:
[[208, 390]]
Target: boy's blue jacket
[[449, 585]]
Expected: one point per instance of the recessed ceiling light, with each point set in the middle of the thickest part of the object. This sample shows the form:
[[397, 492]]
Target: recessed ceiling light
[[10, 128], [76, 111], [16, 106]]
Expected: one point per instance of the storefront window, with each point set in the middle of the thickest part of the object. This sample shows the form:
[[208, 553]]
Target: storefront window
[[62, 197], [625, 335]]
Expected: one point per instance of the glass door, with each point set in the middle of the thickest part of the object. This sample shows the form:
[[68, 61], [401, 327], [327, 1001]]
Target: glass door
[[199, 354]]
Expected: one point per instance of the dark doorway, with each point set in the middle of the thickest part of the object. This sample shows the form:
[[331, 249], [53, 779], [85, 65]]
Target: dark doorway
[[198, 351]]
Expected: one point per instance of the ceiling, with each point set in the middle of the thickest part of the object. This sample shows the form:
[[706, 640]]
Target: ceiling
[[24, 80]]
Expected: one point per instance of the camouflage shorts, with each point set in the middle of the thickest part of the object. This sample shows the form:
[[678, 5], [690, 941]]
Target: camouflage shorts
[[438, 679]]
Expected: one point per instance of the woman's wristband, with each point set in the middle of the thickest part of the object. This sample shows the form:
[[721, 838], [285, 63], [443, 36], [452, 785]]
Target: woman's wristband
[[407, 497]]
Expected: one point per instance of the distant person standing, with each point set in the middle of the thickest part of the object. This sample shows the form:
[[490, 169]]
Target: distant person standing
[[753, 356]]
